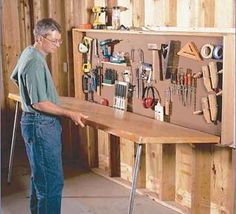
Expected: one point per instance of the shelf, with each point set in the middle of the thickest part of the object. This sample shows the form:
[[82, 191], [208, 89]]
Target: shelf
[[167, 31], [115, 64], [106, 84]]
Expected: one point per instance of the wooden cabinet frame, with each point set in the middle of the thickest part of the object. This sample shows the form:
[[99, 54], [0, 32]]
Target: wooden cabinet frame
[[202, 157]]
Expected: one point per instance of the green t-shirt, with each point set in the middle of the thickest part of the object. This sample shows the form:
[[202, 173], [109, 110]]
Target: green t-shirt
[[34, 79]]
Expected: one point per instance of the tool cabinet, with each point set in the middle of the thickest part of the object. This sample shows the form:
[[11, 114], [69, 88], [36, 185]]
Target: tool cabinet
[[180, 176]]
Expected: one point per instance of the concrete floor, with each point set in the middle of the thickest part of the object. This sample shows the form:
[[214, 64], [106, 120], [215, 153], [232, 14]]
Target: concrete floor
[[84, 192]]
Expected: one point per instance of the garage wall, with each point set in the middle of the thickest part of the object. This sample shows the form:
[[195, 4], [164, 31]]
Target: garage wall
[[19, 17]]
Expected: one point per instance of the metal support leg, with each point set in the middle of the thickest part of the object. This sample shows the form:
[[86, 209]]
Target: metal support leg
[[134, 179], [12, 144], [234, 164]]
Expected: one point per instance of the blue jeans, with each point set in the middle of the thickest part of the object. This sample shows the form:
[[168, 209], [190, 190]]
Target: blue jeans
[[42, 136]]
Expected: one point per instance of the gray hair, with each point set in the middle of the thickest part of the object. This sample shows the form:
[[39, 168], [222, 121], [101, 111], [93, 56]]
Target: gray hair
[[45, 25]]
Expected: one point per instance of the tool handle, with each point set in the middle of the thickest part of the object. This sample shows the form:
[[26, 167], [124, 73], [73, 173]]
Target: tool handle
[[206, 109], [167, 107], [189, 78], [206, 78], [185, 80], [214, 75], [197, 75], [219, 93], [213, 106], [198, 112]]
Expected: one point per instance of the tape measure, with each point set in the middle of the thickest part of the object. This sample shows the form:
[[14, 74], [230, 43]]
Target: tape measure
[[218, 52], [207, 51]]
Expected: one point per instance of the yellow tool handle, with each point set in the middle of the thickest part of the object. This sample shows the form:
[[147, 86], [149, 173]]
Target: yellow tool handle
[[86, 67]]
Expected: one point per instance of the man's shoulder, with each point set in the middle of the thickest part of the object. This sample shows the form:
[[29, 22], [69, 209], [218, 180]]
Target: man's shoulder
[[30, 62], [31, 53], [30, 57]]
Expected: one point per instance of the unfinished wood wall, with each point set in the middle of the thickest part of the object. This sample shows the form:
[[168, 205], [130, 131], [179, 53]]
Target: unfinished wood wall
[[19, 17]]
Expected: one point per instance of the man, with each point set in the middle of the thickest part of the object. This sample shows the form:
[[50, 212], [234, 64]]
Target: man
[[40, 125]]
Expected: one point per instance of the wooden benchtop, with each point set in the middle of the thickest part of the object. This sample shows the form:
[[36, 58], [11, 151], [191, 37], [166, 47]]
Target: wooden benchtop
[[132, 126]]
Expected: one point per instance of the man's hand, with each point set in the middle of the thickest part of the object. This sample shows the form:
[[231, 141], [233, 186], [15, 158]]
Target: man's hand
[[78, 118]]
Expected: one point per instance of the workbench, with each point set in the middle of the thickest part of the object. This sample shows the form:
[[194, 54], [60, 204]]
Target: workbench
[[133, 127]]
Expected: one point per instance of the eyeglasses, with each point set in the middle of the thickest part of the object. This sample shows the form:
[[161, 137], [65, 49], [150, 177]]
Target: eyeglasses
[[55, 42]]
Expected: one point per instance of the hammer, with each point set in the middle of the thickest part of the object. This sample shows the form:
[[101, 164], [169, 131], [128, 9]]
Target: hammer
[[154, 48]]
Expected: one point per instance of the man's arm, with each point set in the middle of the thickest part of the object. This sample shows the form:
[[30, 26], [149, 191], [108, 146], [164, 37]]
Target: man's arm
[[51, 108]]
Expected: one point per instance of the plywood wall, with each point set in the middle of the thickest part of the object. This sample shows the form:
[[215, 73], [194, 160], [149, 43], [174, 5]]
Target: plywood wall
[[20, 16]]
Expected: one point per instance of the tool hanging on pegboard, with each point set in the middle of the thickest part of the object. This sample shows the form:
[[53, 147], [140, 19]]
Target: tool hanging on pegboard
[[210, 107], [168, 104], [209, 51], [184, 86], [212, 80], [190, 51], [107, 47], [85, 47], [170, 58], [155, 48], [151, 97], [212, 76], [146, 73], [120, 96], [96, 76], [87, 87], [110, 76], [138, 69]]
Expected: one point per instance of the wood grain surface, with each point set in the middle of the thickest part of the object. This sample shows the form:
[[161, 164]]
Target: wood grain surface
[[132, 126]]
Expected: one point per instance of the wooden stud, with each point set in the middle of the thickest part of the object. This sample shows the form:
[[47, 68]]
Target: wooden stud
[[103, 152], [201, 198], [222, 180], [171, 13], [154, 168], [168, 173], [141, 182], [138, 13], [77, 59], [207, 17], [190, 51], [83, 146], [69, 23], [114, 156], [92, 135], [160, 170], [127, 154], [85, 16], [226, 7], [40, 9], [184, 175], [127, 158], [11, 48], [110, 4]]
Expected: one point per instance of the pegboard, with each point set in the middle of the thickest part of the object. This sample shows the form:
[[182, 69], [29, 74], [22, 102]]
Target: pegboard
[[180, 114]]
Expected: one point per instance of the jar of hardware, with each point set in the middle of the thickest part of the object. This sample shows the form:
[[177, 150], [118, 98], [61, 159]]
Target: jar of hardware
[[116, 18]]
